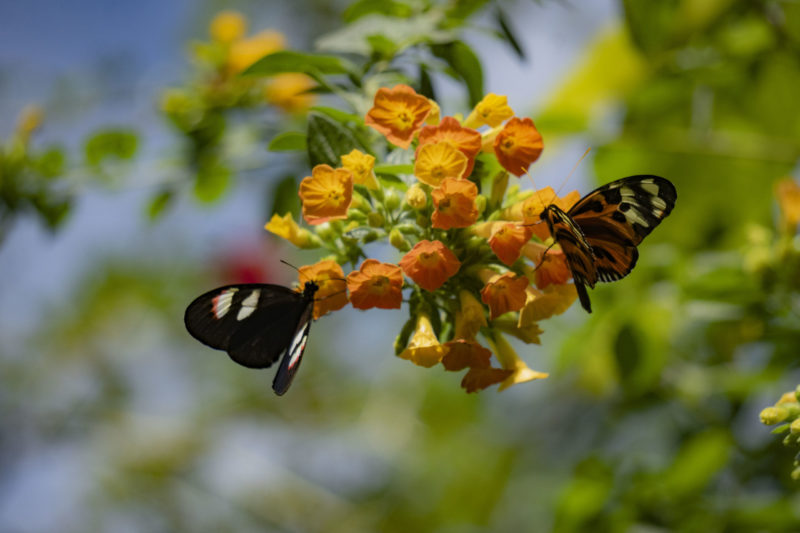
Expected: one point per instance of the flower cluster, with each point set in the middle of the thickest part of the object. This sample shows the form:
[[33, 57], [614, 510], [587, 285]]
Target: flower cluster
[[786, 412], [472, 262]]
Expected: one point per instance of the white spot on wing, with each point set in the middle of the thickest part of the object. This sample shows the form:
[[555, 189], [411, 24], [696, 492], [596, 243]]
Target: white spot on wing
[[248, 305], [297, 346], [649, 187], [222, 302]]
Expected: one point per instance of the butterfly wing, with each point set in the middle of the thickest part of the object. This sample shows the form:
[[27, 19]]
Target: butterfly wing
[[254, 323], [576, 248], [616, 217], [294, 352]]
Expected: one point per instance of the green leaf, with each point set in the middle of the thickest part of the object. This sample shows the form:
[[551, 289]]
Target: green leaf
[[53, 211], [394, 169], [51, 163], [465, 65], [401, 341], [285, 198], [425, 82], [382, 46], [328, 140], [292, 61], [358, 9], [338, 114], [508, 34], [213, 178], [405, 32], [119, 144], [289, 141], [159, 203]]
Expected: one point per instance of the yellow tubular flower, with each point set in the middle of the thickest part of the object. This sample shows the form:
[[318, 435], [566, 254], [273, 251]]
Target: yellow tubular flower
[[285, 226], [424, 348], [245, 52], [470, 318], [361, 165], [493, 110], [437, 161], [509, 360], [290, 92], [435, 114], [788, 193], [227, 26], [553, 300]]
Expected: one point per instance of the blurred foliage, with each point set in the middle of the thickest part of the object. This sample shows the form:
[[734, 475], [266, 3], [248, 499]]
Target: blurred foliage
[[650, 420]]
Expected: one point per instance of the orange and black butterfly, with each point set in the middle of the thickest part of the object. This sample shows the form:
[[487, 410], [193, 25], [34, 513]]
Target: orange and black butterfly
[[599, 234]]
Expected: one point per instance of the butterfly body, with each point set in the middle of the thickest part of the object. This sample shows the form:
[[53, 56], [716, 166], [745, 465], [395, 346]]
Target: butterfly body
[[600, 233], [256, 324]]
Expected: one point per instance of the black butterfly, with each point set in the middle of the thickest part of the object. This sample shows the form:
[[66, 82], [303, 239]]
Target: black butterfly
[[599, 234], [256, 324]]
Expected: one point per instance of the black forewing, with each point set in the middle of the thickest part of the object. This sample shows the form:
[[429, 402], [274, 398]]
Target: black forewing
[[254, 323]]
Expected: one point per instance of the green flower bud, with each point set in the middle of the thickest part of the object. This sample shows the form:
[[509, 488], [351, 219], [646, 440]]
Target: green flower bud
[[795, 426], [773, 415], [397, 240], [375, 220], [480, 203], [392, 200], [423, 221]]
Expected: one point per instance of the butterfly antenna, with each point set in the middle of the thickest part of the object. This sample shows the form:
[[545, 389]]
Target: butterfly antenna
[[571, 172], [337, 293]]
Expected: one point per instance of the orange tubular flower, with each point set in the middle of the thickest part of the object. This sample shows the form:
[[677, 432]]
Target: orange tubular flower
[[326, 194], [398, 113], [361, 165], [376, 284], [437, 161], [467, 140], [508, 239], [332, 293], [503, 293], [518, 145], [463, 354], [550, 269], [430, 264], [480, 378], [491, 111], [424, 348], [455, 204]]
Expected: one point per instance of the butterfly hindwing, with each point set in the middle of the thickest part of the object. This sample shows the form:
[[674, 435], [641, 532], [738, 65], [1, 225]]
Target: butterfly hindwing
[[293, 353]]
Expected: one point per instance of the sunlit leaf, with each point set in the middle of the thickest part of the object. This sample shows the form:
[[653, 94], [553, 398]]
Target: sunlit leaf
[[117, 144], [328, 140], [293, 61], [465, 64], [288, 141]]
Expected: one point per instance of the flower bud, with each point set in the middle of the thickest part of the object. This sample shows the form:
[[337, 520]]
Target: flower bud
[[416, 197], [480, 203], [397, 240], [375, 219], [795, 426], [392, 200], [773, 415]]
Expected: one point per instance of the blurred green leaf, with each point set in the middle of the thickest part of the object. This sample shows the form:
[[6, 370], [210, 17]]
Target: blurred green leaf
[[293, 61], [465, 65], [50, 164], [213, 179], [508, 34], [394, 169], [285, 198], [328, 140], [118, 144], [337, 114], [404, 32], [699, 459], [159, 203], [289, 141], [390, 8]]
